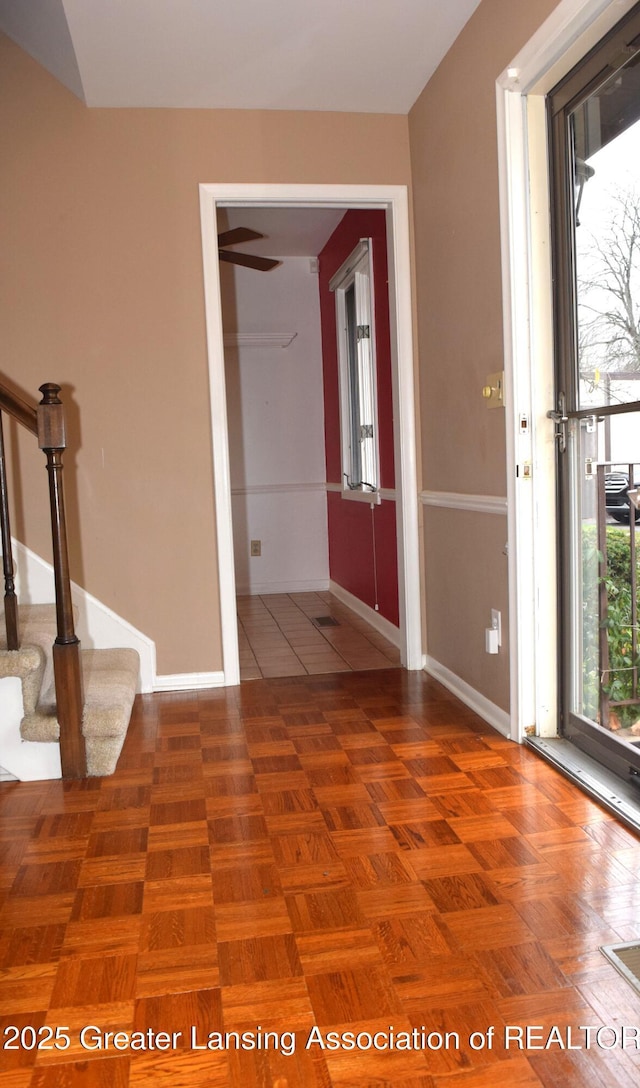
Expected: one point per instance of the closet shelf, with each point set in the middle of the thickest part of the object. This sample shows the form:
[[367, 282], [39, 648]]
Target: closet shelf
[[259, 339]]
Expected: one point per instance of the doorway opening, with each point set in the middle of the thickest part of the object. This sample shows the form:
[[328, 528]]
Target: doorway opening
[[221, 207]]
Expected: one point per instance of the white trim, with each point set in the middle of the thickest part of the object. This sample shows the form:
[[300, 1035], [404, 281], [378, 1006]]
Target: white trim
[[405, 439], [383, 494], [394, 199], [189, 681], [219, 439], [276, 489], [562, 40], [487, 710], [357, 272], [569, 32], [97, 626], [373, 498], [348, 266], [523, 562], [373, 618], [454, 500], [264, 589]]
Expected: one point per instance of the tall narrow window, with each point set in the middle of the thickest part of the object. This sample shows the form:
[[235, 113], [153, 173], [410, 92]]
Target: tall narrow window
[[352, 284]]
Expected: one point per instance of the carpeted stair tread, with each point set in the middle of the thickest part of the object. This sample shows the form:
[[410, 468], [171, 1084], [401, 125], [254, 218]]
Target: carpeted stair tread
[[32, 662], [110, 679], [20, 662], [37, 624]]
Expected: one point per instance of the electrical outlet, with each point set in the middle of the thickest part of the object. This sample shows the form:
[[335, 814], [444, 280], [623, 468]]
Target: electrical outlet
[[256, 547], [496, 623]]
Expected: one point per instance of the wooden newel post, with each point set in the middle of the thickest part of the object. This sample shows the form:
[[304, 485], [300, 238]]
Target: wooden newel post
[[10, 599], [66, 648]]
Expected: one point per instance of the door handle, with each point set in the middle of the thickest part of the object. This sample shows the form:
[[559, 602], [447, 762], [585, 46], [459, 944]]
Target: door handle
[[560, 418]]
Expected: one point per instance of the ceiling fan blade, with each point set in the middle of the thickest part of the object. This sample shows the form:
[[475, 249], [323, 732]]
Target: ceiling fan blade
[[263, 264], [238, 234]]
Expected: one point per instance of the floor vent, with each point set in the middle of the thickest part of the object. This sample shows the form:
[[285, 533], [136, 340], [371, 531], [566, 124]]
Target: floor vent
[[626, 959], [325, 621]]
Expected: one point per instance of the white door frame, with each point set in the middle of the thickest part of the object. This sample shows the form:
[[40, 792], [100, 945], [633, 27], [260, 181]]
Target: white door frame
[[394, 200], [563, 39]]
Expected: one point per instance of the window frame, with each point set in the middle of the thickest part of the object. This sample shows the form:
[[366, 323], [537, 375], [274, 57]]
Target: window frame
[[352, 286]]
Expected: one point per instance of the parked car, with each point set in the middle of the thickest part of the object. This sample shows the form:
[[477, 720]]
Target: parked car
[[616, 489]]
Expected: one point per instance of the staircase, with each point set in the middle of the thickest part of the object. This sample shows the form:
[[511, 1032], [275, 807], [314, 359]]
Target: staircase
[[109, 684], [75, 704]]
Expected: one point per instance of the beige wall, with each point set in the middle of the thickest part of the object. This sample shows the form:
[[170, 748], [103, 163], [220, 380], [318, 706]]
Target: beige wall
[[102, 292], [454, 162], [101, 243]]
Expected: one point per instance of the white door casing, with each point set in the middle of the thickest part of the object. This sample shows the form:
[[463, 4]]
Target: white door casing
[[394, 200], [563, 39]]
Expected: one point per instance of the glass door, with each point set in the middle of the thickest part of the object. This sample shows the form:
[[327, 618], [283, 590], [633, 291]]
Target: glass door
[[595, 125]]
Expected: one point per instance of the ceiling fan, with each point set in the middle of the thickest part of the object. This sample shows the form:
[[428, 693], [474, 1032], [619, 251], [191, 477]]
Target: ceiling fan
[[248, 260]]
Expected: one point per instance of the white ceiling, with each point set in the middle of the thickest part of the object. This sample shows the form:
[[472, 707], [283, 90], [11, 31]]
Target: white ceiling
[[288, 232], [371, 56]]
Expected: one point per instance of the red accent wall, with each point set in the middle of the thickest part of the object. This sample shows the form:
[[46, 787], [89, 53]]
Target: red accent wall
[[355, 537]]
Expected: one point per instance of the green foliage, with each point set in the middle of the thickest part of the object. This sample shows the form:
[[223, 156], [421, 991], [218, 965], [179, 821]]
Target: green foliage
[[617, 623], [618, 556]]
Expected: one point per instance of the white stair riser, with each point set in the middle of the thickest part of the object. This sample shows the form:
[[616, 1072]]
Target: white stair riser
[[26, 760], [96, 625]]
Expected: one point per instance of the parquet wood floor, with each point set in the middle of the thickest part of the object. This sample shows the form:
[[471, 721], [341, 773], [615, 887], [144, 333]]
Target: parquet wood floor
[[301, 859]]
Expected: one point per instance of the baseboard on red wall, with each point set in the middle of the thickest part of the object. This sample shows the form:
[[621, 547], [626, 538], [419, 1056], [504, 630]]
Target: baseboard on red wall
[[389, 630]]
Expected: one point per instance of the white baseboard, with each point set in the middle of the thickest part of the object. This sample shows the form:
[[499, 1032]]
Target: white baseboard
[[491, 713], [382, 625], [189, 681], [260, 589], [97, 626]]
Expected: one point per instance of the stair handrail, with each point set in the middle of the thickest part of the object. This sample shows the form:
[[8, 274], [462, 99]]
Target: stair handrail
[[46, 421], [26, 414]]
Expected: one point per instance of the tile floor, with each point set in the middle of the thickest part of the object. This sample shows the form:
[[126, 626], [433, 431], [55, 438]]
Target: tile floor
[[278, 637]]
